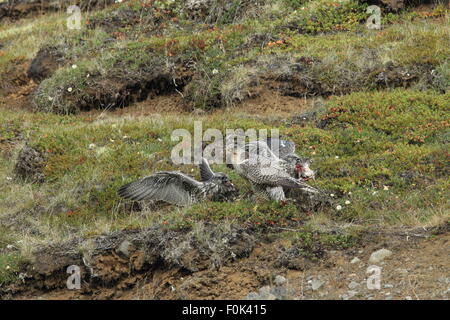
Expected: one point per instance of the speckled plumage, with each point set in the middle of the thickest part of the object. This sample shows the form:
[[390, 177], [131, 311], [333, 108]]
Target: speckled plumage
[[177, 188], [267, 173], [285, 150]]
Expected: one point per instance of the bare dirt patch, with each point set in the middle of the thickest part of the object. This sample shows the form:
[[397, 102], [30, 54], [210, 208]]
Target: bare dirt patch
[[18, 9], [419, 268], [15, 86]]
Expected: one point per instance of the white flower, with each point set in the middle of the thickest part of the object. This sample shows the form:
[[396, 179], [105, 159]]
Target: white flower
[[215, 71], [69, 89], [159, 139], [338, 208], [8, 267], [125, 137], [347, 202], [50, 98], [331, 194], [92, 146], [9, 178], [349, 193], [337, 157], [74, 66], [386, 188], [375, 192]]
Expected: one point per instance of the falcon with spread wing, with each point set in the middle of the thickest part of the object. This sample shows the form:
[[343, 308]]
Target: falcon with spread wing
[[177, 188]]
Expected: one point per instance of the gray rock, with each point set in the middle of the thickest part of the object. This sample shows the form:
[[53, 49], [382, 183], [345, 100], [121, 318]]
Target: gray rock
[[379, 255], [266, 294], [350, 294], [124, 248], [280, 280], [280, 293], [252, 296], [263, 294], [353, 285], [316, 284], [355, 260]]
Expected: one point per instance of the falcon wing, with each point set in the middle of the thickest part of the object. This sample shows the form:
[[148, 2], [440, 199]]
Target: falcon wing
[[172, 187], [285, 147], [205, 170]]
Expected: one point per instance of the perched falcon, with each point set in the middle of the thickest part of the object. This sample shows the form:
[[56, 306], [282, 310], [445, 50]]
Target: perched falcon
[[179, 189]]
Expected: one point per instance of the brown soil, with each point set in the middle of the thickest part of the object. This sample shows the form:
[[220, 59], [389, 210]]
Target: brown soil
[[15, 86], [419, 268], [18, 9]]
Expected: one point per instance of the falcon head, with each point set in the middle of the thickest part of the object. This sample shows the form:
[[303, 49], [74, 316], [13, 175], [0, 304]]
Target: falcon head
[[303, 170], [221, 179], [226, 191]]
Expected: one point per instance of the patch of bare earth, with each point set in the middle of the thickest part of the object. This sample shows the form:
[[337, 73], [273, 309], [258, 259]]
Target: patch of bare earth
[[15, 86], [419, 268]]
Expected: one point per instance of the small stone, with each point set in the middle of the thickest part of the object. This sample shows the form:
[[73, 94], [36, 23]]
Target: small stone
[[388, 286], [353, 285], [316, 284], [252, 296], [124, 248], [264, 290], [355, 260], [265, 294], [279, 280], [280, 293], [379, 255]]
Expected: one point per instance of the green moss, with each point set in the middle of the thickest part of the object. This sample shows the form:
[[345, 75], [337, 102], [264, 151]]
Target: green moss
[[10, 266]]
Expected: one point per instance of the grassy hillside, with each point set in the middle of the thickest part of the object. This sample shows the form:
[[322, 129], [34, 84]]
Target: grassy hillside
[[378, 135]]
